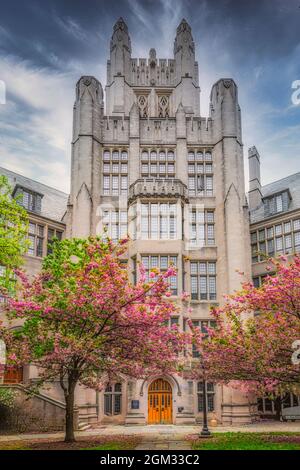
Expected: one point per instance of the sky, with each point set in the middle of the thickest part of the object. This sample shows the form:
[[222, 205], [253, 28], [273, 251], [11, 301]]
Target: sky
[[45, 46]]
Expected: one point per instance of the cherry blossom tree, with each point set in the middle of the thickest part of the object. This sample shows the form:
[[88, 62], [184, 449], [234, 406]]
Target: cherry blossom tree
[[253, 344], [85, 323]]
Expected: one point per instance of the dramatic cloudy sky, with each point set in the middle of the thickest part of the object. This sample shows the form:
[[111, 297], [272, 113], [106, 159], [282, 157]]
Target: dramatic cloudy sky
[[45, 46]]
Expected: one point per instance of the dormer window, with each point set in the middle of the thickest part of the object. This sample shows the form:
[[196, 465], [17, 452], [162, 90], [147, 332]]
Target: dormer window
[[30, 200], [277, 203]]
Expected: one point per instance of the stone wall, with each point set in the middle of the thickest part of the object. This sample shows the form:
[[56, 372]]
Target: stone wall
[[37, 412]]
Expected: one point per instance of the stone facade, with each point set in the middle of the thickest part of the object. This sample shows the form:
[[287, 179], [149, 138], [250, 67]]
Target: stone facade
[[274, 231], [274, 216], [150, 165]]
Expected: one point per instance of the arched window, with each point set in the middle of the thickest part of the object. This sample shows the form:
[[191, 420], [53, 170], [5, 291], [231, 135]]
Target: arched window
[[106, 155], [145, 155], [162, 155], [113, 399], [115, 155], [171, 156], [153, 155]]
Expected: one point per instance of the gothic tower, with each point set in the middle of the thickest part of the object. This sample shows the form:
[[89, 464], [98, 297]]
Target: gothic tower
[[152, 167]]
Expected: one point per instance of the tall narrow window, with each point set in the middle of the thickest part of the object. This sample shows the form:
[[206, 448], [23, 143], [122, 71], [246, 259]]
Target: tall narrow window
[[113, 399], [162, 262], [203, 280], [51, 234], [115, 172], [210, 396], [115, 185], [36, 239], [202, 229], [200, 173], [158, 221], [158, 164], [115, 222], [106, 185]]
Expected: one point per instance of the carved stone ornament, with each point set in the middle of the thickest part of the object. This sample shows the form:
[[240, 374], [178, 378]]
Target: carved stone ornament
[[87, 81], [227, 83]]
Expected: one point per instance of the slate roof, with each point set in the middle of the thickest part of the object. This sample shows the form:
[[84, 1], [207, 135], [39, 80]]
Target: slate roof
[[291, 183], [54, 202]]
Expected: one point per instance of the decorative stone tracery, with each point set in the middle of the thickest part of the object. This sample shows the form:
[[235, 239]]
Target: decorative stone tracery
[[142, 101]]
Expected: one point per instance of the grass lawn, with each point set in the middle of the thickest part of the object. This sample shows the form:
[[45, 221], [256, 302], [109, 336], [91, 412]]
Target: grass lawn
[[247, 441], [92, 443]]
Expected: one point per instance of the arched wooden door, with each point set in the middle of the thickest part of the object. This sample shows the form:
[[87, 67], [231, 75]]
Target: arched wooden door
[[160, 402]]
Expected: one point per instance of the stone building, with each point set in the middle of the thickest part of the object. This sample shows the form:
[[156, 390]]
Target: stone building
[[274, 231], [46, 208], [149, 165]]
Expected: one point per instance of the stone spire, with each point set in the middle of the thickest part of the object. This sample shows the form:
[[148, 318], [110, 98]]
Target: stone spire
[[186, 70], [255, 194], [184, 51], [120, 49]]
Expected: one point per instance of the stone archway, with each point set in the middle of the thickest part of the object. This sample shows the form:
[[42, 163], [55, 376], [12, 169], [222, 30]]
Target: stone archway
[[170, 378]]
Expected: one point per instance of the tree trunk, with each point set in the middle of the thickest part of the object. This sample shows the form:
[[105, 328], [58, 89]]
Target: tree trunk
[[277, 404], [69, 397]]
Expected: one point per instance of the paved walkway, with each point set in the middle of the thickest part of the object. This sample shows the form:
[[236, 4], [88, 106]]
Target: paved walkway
[[155, 434], [163, 444]]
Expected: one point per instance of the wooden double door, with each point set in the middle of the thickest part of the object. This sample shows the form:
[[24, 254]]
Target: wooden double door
[[160, 402]]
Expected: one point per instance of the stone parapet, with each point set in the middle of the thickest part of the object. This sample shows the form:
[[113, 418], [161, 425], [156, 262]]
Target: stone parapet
[[158, 188]]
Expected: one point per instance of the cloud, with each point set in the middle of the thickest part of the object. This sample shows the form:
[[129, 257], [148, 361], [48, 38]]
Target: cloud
[[36, 122], [72, 27]]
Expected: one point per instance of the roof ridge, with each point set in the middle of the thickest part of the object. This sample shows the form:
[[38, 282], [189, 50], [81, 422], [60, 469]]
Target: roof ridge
[[281, 179], [35, 181]]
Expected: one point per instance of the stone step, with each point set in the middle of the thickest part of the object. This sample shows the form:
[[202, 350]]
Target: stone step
[[83, 426]]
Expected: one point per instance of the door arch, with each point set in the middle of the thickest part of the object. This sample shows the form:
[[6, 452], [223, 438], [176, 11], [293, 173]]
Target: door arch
[[160, 402]]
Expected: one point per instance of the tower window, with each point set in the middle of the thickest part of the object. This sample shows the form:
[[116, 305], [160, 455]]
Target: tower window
[[115, 155], [200, 175], [202, 229], [161, 262], [203, 280], [115, 222], [106, 155], [115, 171], [158, 221], [158, 167]]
